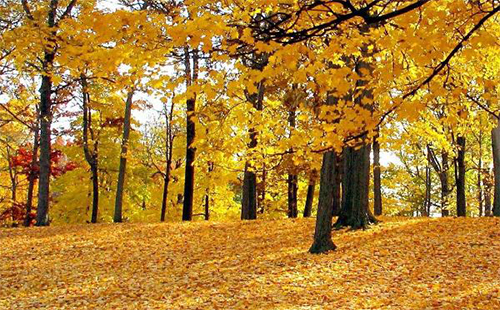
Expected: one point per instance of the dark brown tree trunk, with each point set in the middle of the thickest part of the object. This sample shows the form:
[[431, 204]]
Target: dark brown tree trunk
[[207, 207], [187, 210], [310, 198], [192, 76], [42, 212], [249, 197], [292, 196], [377, 190], [479, 173], [355, 211], [495, 141], [118, 216], [323, 231], [460, 177], [32, 178], [292, 177]]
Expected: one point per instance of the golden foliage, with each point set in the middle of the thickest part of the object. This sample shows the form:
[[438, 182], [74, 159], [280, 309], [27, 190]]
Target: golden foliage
[[400, 264]]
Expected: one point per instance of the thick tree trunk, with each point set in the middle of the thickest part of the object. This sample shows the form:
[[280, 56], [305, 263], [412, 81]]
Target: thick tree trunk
[[323, 231], [249, 196], [460, 180], [191, 77], [118, 216], [355, 212], [187, 210], [377, 190], [32, 178], [45, 115], [310, 199], [292, 196], [495, 141]]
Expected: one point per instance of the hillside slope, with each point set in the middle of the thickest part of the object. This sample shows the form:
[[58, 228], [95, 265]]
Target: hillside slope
[[399, 264]]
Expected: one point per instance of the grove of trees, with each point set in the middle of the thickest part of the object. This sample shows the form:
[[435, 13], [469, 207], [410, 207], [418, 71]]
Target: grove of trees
[[169, 110]]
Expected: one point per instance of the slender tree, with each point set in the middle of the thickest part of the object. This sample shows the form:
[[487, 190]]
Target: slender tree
[[118, 216], [460, 177], [91, 153]]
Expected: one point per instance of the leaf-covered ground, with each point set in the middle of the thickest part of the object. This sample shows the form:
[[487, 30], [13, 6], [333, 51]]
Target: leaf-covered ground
[[399, 264]]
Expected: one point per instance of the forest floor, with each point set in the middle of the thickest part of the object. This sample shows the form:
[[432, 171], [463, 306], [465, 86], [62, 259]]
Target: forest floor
[[399, 264]]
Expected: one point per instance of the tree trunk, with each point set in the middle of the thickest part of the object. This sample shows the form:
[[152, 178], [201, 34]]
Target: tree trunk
[[118, 217], [355, 211], [169, 155], [428, 185], [249, 197], [192, 76], [377, 191], [445, 191], [187, 210], [45, 115], [292, 177], [495, 141], [323, 231], [460, 180], [207, 207], [310, 199], [479, 173], [292, 196], [32, 178]]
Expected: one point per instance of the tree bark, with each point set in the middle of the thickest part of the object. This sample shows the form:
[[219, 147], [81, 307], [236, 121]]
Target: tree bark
[[495, 141], [479, 173], [323, 231], [377, 190], [192, 76], [310, 198], [292, 196], [355, 211], [460, 180], [118, 216], [32, 176], [42, 212], [292, 177], [249, 196]]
